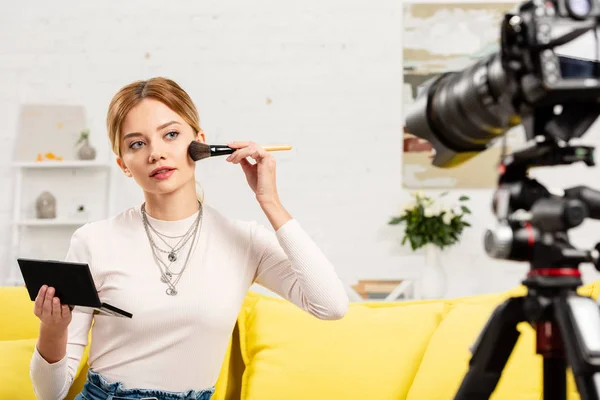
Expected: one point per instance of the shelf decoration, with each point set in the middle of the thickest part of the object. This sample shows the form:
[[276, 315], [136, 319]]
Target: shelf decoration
[[46, 206], [375, 289], [86, 151], [48, 156]]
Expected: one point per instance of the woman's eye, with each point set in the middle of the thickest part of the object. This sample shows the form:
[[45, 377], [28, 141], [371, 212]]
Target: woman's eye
[[172, 135], [134, 145]]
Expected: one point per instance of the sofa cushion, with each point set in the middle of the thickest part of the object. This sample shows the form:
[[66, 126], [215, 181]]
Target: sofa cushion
[[373, 352], [17, 320]]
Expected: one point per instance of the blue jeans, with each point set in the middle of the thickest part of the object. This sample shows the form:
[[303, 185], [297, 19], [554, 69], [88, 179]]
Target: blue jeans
[[98, 388]]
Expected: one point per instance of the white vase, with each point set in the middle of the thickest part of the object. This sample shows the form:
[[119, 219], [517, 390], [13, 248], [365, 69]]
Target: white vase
[[433, 280]]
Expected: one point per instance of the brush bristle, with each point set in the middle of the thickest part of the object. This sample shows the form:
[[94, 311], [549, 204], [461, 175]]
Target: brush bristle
[[198, 151]]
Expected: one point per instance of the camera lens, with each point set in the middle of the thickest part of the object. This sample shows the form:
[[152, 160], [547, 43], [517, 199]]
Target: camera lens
[[462, 112], [579, 9]]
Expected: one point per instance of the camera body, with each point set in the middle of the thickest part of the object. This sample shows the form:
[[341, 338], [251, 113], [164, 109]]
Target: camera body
[[542, 29]]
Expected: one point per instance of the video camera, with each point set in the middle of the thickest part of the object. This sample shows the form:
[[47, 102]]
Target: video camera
[[531, 81]]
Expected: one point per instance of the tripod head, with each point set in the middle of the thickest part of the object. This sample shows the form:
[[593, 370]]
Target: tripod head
[[533, 223]]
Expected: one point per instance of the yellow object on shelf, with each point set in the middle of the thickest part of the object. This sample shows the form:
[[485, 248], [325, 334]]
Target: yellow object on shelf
[[48, 156]]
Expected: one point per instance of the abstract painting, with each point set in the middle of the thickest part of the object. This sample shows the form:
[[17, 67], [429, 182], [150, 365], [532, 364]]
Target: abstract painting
[[438, 38]]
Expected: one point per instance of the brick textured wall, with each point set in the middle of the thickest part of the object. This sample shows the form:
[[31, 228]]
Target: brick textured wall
[[325, 76]]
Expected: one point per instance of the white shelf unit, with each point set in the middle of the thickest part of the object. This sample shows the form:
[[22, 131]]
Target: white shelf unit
[[22, 222], [60, 164], [51, 222]]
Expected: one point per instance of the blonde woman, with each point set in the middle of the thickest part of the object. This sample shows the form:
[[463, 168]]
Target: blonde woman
[[178, 265]]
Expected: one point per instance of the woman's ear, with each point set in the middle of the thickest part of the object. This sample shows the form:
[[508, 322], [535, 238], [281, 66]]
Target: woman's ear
[[123, 167], [200, 136]]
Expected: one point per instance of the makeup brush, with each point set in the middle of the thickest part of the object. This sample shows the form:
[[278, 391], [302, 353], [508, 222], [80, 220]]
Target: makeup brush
[[200, 151]]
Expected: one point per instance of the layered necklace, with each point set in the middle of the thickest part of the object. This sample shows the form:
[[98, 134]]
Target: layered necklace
[[167, 275]]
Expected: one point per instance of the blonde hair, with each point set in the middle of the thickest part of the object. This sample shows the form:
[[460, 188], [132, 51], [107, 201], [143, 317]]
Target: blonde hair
[[162, 89]]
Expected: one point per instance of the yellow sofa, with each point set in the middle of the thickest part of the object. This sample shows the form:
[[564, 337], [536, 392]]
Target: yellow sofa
[[416, 350]]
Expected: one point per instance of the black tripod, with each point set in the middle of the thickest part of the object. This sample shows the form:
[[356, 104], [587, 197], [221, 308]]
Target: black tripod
[[567, 332], [567, 325]]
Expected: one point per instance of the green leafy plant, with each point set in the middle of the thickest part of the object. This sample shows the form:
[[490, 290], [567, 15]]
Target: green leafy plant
[[428, 220], [83, 136]]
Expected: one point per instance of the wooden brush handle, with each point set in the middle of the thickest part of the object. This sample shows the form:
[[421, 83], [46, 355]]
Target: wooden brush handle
[[222, 149], [278, 147]]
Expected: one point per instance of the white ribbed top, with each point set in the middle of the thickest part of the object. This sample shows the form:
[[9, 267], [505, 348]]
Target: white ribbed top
[[178, 343]]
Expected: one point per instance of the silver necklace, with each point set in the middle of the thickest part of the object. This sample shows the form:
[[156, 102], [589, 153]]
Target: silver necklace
[[183, 239], [166, 275], [172, 253]]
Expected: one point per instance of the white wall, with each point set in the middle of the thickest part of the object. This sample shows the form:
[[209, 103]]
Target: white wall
[[323, 75]]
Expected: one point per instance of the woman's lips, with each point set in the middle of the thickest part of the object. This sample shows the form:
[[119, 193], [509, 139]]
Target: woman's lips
[[163, 174]]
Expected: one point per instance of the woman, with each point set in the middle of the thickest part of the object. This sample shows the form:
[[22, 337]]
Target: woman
[[178, 265]]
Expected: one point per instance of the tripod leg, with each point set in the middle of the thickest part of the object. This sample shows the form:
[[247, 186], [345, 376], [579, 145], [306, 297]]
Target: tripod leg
[[549, 346], [555, 380], [492, 350], [578, 319]]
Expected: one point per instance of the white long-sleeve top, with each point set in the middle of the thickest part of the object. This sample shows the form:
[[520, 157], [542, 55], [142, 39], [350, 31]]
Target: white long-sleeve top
[[178, 343]]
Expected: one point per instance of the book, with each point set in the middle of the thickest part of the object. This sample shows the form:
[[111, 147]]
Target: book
[[375, 289]]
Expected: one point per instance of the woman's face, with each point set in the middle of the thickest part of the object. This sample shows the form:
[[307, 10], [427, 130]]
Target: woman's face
[[154, 148]]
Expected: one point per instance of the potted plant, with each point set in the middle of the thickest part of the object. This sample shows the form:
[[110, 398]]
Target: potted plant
[[432, 225], [86, 151]]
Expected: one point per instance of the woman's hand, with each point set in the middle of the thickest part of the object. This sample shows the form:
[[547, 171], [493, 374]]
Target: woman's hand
[[53, 315], [261, 175]]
